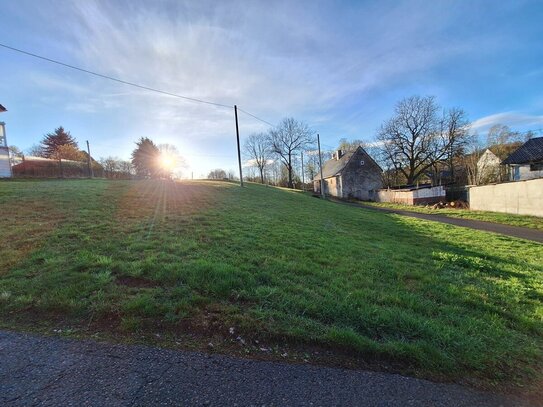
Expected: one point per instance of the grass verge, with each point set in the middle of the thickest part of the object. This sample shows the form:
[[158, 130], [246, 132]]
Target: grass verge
[[175, 259]]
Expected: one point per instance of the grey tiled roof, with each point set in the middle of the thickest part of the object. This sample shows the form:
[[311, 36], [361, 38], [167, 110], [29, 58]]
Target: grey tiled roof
[[530, 151], [333, 167]]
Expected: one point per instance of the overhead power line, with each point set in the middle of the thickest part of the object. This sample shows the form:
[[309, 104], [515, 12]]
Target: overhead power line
[[115, 79], [255, 117], [148, 88]]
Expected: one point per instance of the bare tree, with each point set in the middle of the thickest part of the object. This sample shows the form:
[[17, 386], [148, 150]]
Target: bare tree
[[456, 138], [346, 145], [500, 134], [231, 174], [287, 140], [35, 151], [312, 165], [416, 138], [126, 169], [171, 161], [109, 164], [15, 155], [258, 151], [470, 160]]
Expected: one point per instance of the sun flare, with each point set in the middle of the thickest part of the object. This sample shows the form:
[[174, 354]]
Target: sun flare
[[167, 161]]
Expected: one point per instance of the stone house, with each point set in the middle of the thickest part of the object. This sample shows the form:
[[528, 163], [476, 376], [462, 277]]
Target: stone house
[[350, 175]]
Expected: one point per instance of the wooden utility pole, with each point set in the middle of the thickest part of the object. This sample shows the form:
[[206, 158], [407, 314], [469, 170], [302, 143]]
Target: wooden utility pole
[[303, 179], [89, 164], [239, 150], [320, 164]]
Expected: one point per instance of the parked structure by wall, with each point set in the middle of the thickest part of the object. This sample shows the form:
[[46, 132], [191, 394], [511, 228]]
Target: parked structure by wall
[[351, 175], [521, 198], [527, 161], [412, 196]]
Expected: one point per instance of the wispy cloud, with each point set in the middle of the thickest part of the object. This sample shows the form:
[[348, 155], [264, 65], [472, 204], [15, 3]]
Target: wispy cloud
[[511, 119], [276, 60]]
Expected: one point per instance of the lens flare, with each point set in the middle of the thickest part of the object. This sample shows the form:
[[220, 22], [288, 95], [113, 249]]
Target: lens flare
[[167, 161]]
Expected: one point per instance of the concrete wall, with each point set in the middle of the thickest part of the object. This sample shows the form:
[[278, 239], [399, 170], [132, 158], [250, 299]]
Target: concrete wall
[[5, 169], [521, 197], [411, 197]]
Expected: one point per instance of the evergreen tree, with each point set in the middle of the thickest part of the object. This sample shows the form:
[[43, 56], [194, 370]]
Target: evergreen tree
[[145, 158], [53, 141]]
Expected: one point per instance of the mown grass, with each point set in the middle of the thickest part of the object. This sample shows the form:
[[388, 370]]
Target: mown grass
[[526, 221], [274, 264]]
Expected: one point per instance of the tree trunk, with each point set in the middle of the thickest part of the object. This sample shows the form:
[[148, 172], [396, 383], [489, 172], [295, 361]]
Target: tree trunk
[[261, 175], [289, 168]]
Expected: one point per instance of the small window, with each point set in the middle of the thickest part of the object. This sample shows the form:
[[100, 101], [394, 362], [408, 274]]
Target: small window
[[361, 162], [536, 167]]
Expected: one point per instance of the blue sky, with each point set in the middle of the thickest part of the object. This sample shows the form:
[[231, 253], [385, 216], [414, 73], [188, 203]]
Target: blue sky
[[339, 66]]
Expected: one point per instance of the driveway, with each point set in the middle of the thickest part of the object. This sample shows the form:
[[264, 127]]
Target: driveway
[[513, 231], [43, 371]]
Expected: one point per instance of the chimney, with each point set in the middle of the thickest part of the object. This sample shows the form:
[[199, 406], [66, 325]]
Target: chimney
[[339, 154]]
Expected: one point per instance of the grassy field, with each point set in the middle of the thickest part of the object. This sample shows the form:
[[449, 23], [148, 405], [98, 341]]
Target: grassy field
[[171, 259], [495, 217]]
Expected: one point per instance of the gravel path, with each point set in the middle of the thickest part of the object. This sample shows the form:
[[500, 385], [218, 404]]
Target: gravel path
[[37, 370], [514, 231]]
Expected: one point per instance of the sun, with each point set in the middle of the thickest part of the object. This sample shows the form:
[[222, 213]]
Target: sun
[[167, 161]]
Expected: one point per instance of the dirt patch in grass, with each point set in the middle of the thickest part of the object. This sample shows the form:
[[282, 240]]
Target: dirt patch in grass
[[136, 282]]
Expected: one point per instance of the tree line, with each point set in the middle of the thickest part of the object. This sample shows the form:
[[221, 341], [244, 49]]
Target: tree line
[[420, 142], [148, 160]]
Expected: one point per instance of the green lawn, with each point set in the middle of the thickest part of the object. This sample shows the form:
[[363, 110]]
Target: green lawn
[[533, 222], [278, 266]]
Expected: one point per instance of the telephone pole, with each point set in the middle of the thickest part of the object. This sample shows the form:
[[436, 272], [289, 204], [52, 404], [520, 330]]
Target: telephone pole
[[320, 164], [89, 165], [239, 150], [303, 179]]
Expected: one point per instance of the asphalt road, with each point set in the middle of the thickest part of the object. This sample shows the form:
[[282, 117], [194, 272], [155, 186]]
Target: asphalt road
[[45, 371], [514, 231]]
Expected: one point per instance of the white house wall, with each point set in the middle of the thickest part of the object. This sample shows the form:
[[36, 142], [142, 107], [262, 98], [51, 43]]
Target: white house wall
[[525, 173], [5, 169]]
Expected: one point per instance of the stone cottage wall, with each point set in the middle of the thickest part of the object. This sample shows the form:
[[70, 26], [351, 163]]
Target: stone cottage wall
[[361, 178]]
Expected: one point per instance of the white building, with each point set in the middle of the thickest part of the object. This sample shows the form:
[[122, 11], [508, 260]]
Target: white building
[[5, 167], [488, 168], [527, 161]]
